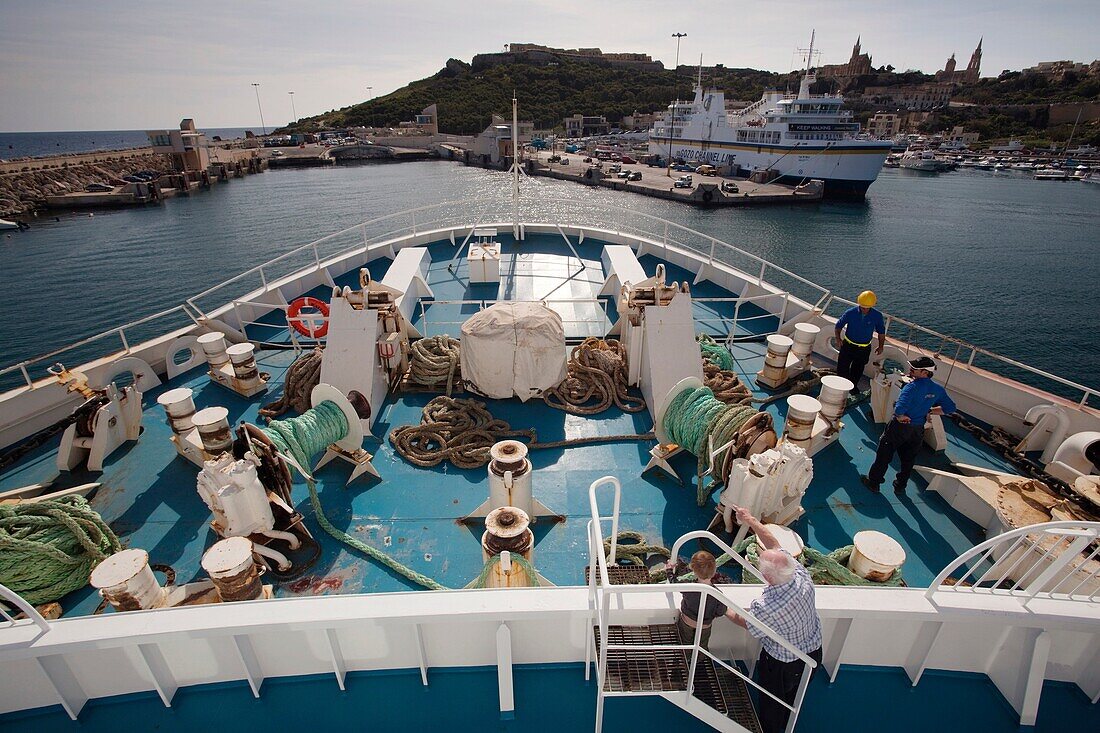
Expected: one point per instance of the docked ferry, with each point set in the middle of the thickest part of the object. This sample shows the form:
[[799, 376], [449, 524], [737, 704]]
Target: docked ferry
[[486, 456], [793, 138]]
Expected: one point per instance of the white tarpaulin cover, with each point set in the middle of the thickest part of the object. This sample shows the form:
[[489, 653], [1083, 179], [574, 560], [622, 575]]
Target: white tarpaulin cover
[[513, 348]]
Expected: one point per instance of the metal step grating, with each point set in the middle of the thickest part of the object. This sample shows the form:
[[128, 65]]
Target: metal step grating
[[622, 575], [666, 670]]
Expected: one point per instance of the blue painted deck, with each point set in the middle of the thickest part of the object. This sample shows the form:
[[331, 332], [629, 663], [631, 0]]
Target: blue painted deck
[[149, 495], [555, 698]]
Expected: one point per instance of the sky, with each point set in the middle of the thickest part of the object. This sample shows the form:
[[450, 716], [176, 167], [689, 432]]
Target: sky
[[115, 64]]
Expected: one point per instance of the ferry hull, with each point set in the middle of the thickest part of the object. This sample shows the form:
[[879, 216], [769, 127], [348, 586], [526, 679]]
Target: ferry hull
[[848, 170]]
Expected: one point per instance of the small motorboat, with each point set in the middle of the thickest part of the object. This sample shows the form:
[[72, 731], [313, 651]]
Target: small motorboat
[[6, 225]]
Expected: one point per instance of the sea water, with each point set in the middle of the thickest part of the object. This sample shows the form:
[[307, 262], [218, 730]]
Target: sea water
[[1002, 261]]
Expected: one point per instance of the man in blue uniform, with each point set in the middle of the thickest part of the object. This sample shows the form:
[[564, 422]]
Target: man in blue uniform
[[905, 432], [860, 323]]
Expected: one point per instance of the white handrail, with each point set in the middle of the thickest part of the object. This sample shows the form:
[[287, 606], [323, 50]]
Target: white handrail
[[600, 594], [1019, 556], [633, 216], [701, 534], [10, 596]]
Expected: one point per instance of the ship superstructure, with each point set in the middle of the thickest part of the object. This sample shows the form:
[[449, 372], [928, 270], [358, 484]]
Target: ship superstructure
[[793, 138]]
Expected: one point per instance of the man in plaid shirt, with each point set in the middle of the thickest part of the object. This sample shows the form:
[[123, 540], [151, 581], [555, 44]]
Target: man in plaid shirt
[[787, 606]]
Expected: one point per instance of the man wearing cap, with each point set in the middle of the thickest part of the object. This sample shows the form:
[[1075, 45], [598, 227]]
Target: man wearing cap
[[905, 431], [860, 323]]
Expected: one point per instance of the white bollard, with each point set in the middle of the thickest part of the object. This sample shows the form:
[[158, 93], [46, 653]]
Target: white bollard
[[774, 372], [875, 556], [127, 582], [801, 413], [213, 347], [244, 365], [179, 406], [804, 336], [834, 397], [233, 569], [213, 427]]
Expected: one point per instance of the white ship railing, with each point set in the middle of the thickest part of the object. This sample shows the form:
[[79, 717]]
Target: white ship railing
[[8, 599], [601, 593], [961, 353], [458, 216], [1055, 561]]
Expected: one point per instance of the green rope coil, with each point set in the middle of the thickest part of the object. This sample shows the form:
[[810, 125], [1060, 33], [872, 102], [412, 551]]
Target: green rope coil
[[694, 415], [529, 572], [48, 548], [301, 438], [632, 548], [714, 352]]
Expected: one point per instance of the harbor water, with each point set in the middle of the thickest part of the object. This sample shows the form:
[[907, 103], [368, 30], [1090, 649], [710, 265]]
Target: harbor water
[[1003, 261]]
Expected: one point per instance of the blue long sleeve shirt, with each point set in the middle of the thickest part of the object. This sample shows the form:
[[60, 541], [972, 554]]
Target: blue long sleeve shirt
[[919, 397], [861, 328]]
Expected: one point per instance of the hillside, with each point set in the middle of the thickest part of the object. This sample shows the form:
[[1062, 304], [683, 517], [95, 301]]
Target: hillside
[[467, 98]]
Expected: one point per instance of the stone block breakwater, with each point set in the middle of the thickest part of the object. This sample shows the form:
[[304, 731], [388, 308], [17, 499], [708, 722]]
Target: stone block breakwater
[[29, 186]]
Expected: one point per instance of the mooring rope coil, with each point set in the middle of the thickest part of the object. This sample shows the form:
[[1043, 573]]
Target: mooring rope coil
[[461, 431], [48, 548], [302, 437], [715, 353], [696, 419], [435, 360], [302, 376], [597, 370], [632, 548]]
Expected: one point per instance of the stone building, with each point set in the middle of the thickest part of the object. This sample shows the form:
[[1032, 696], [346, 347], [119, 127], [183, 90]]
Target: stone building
[[971, 74], [884, 125], [919, 97], [187, 147], [858, 65]]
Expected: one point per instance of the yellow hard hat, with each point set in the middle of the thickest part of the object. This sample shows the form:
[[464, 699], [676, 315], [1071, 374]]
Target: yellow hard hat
[[867, 298]]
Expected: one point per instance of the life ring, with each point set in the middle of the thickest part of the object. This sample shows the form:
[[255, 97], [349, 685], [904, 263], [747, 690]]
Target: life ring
[[299, 326], [708, 196]]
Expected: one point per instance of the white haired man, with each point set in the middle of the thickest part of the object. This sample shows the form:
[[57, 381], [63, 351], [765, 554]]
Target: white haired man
[[788, 607]]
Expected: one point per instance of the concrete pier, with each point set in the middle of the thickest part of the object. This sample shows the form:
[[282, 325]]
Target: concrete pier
[[704, 191]]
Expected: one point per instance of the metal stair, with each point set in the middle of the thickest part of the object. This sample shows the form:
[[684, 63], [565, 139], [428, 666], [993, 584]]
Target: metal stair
[[719, 698]]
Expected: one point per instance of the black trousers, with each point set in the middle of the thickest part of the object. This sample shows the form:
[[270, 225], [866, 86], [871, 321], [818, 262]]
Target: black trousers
[[903, 439], [852, 360], [781, 679]]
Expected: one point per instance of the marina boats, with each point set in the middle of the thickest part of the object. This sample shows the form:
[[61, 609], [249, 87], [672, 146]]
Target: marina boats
[[794, 138], [1051, 174], [920, 160], [497, 552]]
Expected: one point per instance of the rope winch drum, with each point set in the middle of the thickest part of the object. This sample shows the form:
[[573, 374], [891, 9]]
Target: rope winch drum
[[331, 421]]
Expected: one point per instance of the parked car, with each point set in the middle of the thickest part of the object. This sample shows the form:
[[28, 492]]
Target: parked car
[[277, 153], [98, 188], [555, 158], [628, 159], [634, 176], [707, 170], [565, 161], [684, 167], [588, 160], [682, 182], [625, 175], [729, 187]]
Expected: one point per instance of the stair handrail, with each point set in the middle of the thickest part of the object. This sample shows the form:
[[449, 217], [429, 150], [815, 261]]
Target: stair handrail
[[704, 534], [599, 594], [1035, 578]]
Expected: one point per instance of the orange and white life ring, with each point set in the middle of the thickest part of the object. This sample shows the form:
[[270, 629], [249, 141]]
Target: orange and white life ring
[[299, 325]]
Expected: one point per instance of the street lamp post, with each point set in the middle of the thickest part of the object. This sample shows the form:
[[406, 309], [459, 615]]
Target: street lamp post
[[256, 86], [672, 127], [293, 111]]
